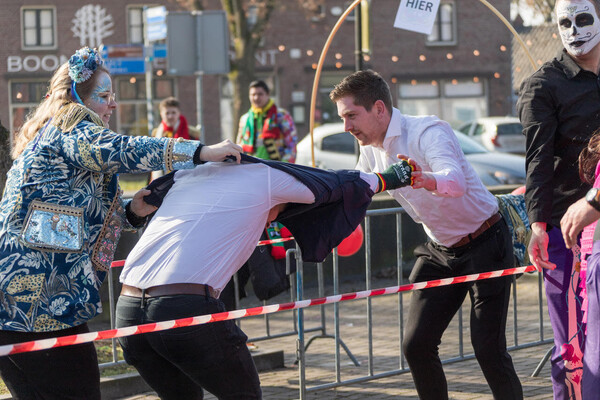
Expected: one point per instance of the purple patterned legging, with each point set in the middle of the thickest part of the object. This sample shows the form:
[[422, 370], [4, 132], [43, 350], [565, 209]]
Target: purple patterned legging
[[564, 307]]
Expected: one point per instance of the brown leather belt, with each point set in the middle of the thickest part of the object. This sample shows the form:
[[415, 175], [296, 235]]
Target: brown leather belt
[[170, 290], [484, 227]]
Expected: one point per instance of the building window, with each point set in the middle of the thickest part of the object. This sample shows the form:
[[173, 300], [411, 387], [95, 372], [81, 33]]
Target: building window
[[38, 28], [319, 13], [24, 97], [135, 24], [325, 109], [454, 100], [133, 119], [444, 27]]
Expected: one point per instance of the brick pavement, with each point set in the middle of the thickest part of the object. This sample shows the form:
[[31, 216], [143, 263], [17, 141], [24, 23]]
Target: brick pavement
[[465, 380]]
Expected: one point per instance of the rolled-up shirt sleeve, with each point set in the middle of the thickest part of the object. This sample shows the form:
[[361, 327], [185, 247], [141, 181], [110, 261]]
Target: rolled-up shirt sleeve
[[442, 153]]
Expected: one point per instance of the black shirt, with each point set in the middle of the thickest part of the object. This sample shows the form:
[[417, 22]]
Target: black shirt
[[559, 107]]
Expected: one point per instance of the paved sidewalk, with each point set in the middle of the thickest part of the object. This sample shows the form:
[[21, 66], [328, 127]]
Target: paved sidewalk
[[465, 380]]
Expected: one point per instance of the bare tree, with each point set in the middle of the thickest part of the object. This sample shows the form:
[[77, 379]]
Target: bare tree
[[248, 21], [247, 24]]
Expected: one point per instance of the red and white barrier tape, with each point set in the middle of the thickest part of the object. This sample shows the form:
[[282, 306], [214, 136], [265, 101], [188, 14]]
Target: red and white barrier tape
[[272, 241], [205, 319]]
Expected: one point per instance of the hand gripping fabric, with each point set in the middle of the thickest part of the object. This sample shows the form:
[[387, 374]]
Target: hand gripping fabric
[[396, 176]]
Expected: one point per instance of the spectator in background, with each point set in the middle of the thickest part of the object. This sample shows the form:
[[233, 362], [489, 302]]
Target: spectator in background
[[559, 107], [267, 131], [172, 125]]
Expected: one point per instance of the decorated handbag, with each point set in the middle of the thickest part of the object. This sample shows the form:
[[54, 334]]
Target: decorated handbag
[[53, 227]]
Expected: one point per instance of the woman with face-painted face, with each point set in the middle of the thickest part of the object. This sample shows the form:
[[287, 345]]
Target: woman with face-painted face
[[61, 216], [559, 107]]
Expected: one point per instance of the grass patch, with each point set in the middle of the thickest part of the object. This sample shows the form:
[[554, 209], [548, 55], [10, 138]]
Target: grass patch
[[131, 183], [104, 350]]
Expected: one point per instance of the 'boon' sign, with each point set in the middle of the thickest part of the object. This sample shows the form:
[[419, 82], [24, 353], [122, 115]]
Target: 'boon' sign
[[417, 15]]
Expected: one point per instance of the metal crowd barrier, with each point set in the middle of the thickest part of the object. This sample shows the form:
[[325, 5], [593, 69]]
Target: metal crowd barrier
[[370, 375], [297, 323]]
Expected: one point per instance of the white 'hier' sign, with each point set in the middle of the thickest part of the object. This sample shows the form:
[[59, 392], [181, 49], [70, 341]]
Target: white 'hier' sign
[[417, 15]]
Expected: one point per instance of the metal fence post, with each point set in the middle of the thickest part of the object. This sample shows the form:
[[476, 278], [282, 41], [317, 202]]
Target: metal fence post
[[300, 356]]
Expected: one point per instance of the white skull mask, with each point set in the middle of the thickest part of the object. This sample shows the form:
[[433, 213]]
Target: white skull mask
[[578, 25]]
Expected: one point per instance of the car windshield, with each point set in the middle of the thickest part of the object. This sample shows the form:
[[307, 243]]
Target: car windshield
[[468, 145]]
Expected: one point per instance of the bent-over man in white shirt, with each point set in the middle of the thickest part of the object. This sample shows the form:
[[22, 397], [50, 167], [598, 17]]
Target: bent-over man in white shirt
[[206, 227], [466, 233]]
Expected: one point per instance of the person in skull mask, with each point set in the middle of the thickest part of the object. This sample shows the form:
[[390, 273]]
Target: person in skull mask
[[559, 107]]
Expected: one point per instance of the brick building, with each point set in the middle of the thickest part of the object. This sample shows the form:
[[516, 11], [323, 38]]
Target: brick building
[[461, 71]]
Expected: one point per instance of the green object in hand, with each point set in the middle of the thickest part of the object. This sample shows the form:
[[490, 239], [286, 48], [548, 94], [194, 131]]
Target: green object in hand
[[396, 176]]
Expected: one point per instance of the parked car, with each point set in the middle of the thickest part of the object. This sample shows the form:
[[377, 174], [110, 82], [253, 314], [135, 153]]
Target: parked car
[[336, 149], [504, 134]]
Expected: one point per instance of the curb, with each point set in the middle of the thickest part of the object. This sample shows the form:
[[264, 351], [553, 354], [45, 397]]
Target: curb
[[268, 360], [119, 386]]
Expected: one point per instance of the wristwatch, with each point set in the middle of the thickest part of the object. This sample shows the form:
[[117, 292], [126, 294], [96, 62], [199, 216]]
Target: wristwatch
[[593, 198]]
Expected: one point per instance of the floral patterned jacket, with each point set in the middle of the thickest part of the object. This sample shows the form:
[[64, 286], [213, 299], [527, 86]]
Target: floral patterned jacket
[[61, 216]]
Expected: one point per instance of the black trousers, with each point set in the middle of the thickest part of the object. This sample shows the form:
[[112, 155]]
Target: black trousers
[[62, 373], [431, 311], [179, 363]]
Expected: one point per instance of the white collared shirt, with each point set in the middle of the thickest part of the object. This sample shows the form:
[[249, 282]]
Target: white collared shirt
[[210, 222], [461, 202]]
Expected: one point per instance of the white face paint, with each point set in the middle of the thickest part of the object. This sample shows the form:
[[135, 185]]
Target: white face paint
[[578, 25]]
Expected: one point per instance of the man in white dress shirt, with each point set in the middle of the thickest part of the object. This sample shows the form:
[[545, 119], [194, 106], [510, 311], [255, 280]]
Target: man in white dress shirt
[[206, 227], [460, 216]]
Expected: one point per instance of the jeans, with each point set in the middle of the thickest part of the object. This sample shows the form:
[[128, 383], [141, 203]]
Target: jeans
[[431, 310], [179, 363], [62, 373]]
